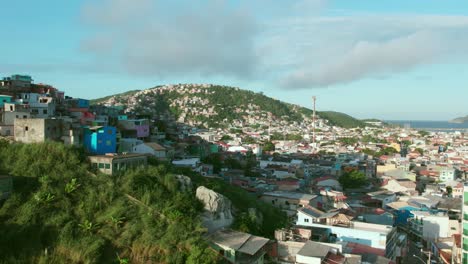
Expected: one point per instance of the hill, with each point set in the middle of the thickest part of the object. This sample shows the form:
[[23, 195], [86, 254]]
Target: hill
[[60, 211], [215, 106], [460, 120]]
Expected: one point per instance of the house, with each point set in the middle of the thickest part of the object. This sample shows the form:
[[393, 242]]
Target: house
[[380, 198], [100, 140], [402, 186], [429, 226], [41, 105], [113, 164], [317, 253], [239, 247], [337, 227], [8, 114], [332, 199], [328, 182], [77, 104], [151, 148], [446, 174], [33, 130], [4, 99], [187, 163], [289, 201], [288, 185], [134, 128], [6, 186], [310, 252], [127, 144]]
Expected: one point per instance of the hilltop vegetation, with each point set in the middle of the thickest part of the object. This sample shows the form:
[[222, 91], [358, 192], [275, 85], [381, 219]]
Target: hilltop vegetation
[[214, 105], [60, 212], [460, 120], [341, 119]]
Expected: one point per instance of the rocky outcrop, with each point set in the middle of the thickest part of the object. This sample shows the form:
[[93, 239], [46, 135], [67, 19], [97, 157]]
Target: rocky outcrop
[[185, 182], [218, 209]]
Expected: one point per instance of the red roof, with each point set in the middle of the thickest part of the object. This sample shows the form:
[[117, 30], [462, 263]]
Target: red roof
[[324, 178], [457, 238], [287, 182], [363, 249]]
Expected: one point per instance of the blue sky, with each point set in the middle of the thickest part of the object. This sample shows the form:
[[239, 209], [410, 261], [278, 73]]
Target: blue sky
[[393, 59]]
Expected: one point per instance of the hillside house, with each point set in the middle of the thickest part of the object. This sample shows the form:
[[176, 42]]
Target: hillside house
[[151, 148], [100, 140], [113, 164], [239, 247]]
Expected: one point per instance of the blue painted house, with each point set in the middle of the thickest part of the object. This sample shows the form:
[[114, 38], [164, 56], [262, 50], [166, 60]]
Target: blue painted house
[[78, 103], [402, 211], [100, 139], [4, 99]]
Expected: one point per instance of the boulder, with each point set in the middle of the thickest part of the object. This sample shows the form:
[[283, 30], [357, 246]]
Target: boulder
[[218, 209], [185, 182]]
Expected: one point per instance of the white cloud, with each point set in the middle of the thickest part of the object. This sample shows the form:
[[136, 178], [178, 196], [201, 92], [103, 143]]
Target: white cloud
[[290, 43], [345, 49]]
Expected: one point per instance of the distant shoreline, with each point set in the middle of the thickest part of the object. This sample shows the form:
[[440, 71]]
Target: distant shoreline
[[430, 125]]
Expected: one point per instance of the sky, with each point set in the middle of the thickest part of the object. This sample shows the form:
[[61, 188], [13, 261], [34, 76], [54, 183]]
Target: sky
[[386, 59]]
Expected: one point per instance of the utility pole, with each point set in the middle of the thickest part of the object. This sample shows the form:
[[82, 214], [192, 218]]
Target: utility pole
[[314, 99]]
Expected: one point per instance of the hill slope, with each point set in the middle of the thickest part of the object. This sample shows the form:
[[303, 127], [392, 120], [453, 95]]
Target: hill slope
[[214, 105], [61, 213], [460, 120]]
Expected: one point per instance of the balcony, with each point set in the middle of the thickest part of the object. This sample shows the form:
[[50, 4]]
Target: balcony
[[465, 232]]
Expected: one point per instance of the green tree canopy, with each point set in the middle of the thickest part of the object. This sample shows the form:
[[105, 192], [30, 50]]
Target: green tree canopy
[[353, 179]]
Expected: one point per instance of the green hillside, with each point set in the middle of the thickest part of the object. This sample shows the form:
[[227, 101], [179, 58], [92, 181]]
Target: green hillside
[[341, 119], [229, 103], [60, 212]]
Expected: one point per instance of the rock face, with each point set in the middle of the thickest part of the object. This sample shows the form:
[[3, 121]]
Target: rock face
[[218, 212], [185, 182]]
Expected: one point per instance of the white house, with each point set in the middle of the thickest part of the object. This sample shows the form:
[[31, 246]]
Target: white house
[[151, 148], [372, 235], [447, 174], [433, 226], [190, 163]]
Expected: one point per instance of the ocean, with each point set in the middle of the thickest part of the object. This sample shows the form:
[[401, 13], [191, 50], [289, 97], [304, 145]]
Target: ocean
[[430, 125]]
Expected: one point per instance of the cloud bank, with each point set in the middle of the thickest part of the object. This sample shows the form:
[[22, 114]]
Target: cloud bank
[[151, 39], [294, 47]]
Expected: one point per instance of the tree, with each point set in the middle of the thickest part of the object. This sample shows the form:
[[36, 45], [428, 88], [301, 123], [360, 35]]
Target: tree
[[423, 133], [353, 179], [226, 138], [420, 150], [268, 146]]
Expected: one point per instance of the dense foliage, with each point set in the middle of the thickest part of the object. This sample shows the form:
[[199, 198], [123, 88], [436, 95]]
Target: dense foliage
[[353, 179], [227, 101], [61, 213], [341, 119]]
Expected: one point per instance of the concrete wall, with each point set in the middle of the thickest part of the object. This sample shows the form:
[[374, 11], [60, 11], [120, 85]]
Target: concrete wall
[[375, 239], [436, 227], [31, 130], [8, 118], [307, 260]]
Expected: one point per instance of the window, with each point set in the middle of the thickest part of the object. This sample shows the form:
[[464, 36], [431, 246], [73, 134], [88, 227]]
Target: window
[[26, 128], [101, 165], [44, 111], [95, 165], [17, 116], [306, 220], [107, 166], [25, 116]]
